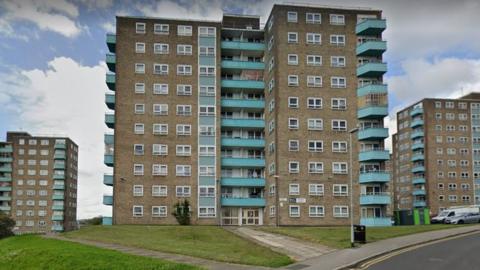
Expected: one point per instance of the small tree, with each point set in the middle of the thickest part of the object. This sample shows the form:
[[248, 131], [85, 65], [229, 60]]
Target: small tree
[[182, 212], [6, 225]]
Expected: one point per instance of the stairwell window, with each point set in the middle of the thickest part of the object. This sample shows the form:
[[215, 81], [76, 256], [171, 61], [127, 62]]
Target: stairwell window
[[207, 191], [208, 91], [206, 150], [207, 51], [206, 31], [206, 170], [206, 110], [206, 212], [207, 71]]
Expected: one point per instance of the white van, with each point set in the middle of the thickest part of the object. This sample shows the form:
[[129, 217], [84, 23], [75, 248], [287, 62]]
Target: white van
[[451, 212]]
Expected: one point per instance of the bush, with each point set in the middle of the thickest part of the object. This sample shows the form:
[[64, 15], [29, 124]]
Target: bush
[[6, 225], [182, 212]]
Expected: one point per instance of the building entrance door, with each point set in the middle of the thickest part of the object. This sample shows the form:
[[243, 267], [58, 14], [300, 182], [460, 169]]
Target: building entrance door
[[250, 217]]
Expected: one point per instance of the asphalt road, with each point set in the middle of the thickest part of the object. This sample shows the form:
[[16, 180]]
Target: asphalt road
[[460, 253]]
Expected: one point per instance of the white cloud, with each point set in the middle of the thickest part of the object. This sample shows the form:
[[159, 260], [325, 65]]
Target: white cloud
[[66, 98], [109, 27], [195, 10], [94, 4], [57, 16]]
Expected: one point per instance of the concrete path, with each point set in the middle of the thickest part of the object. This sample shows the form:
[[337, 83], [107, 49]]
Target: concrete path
[[208, 264], [345, 258], [297, 249]]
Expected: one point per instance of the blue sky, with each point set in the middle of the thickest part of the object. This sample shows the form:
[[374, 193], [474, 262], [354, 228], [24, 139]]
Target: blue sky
[[52, 55]]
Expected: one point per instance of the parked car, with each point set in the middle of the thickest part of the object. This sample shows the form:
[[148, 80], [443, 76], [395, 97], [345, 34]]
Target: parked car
[[451, 212], [463, 218]]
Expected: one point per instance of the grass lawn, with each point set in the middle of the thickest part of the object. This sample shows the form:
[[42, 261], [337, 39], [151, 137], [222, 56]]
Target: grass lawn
[[35, 252], [209, 242], [339, 237]]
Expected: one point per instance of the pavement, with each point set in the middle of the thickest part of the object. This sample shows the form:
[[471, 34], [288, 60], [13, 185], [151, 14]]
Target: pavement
[[296, 249]]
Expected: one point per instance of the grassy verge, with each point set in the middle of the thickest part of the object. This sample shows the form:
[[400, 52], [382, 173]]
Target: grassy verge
[[35, 252], [209, 242], [339, 237]]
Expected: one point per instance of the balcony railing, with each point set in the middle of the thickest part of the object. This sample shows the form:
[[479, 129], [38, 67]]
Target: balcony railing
[[375, 198], [371, 27], [374, 177]]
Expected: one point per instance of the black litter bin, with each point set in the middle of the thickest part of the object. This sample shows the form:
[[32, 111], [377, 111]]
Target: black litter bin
[[359, 234]]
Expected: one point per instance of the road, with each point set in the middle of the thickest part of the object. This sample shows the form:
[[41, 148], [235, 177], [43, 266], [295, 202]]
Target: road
[[458, 253]]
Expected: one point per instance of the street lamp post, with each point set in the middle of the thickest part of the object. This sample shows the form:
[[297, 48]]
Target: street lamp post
[[351, 132], [277, 202]]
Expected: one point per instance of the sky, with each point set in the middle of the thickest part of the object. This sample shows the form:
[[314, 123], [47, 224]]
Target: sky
[[52, 63]]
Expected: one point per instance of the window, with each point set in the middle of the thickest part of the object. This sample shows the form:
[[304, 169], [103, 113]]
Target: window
[[339, 167], [293, 123], [159, 211], [161, 29], [184, 129], [314, 60], [139, 128], [293, 59], [294, 211], [160, 69], [315, 190], [184, 30], [140, 47], [160, 48], [313, 18], [137, 190], [140, 28], [183, 170], [139, 108], [137, 169], [159, 149], [314, 38], [293, 145], [272, 211], [182, 191], [337, 19], [206, 170], [293, 102], [339, 146], [206, 150], [314, 103], [338, 82], [206, 31], [315, 124], [292, 16], [340, 190], [138, 211], [159, 169], [338, 40], [183, 49], [139, 68], [207, 191], [184, 70], [207, 91], [184, 90], [292, 37], [183, 150], [438, 104], [160, 109], [315, 146], [294, 189], [293, 167], [316, 211], [184, 110], [449, 105], [314, 81], [337, 61], [160, 89], [292, 80], [138, 149], [315, 167], [340, 211], [205, 110], [206, 212], [160, 129], [139, 88], [339, 125], [207, 51], [159, 191], [339, 104]]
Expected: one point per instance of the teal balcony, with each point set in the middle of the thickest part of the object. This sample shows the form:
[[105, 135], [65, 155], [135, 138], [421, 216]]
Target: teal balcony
[[416, 111], [371, 27], [243, 162], [57, 218], [59, 176], [246, 202], [373, 134], [107, 199], [57, 207], [371, 70], [5, 208], [243, 103], [107, 221], [6, 159], [373, 155], [110, 101], [417, 157], [110, 120], [60, 146], [5, 198], [110, 80], [59, 155], [374, 177], [418, 169], [416, 123], [246, 143], [417, 146], [108, 160], [111, 61], [59, 165], [418, 181], [370, 112], [377, 198], [108, 138], [108, 179], [372, 89], [57, 228], [416, 134], [419, 192], [111, 42], [59, 187], [6, 149], [243, 84], [6, 168], [5, 188], [242, 45], [376, 222], [243, 123], [59, 197], [242, 182], [242, 65], [372, 48], [5, 179], [419, 203]]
